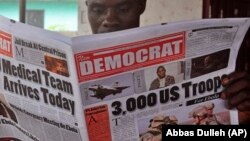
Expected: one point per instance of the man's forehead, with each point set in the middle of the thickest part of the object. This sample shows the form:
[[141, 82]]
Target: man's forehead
[[109, 2]]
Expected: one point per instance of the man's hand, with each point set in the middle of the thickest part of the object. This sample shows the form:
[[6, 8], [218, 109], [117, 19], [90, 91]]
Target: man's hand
[[237, 93]]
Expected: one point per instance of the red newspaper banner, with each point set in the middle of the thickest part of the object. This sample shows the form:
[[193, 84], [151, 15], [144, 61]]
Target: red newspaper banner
[[127, 57], [5, 44], [97, 121]]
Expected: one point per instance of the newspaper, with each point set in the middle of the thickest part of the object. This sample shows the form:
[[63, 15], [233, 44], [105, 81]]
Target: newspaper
[[38, 81], [120, 86]]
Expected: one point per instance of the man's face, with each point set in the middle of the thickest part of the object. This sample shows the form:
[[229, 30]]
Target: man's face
[[207, 61], [210, 111], [161, 72], [114, 15]]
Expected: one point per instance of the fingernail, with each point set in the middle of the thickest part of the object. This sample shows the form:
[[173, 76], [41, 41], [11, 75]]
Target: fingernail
[[229, 106], [223, 96], [225, 81]]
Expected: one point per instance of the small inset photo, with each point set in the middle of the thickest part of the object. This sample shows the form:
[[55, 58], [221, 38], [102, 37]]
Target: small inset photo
[[209, 63], [164, 75], [107, 89], [56, 65]]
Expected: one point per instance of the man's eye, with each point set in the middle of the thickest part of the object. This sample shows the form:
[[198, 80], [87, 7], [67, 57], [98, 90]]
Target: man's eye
[[98, 10], [124, 8]]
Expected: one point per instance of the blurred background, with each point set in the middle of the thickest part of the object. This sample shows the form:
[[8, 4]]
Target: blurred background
[[69, 16]]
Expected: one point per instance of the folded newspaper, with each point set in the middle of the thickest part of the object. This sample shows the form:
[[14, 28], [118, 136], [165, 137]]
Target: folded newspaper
[[115, 86]]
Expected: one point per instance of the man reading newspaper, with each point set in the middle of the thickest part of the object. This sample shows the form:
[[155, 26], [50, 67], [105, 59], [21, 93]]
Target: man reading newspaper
[[114, 15], [98, 87]]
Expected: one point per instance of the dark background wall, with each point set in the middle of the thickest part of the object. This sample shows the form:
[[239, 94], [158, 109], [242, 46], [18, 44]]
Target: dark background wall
[[227, 9]]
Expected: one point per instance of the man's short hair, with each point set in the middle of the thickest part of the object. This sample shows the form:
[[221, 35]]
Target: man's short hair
[[161, 67]]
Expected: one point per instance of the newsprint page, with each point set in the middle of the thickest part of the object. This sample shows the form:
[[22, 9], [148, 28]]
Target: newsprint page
[[120, 86]]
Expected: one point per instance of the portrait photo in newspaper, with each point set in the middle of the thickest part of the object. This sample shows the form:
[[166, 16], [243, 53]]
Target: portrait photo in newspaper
[[164, 75], [55, 65]]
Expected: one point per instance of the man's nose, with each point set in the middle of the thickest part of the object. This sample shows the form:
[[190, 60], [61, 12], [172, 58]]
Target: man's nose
[[111, 18]]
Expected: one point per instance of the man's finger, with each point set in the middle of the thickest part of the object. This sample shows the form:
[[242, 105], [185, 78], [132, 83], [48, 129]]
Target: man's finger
[[231, 78], [236, 100], [244, 117], [244, 106], [237, 87]]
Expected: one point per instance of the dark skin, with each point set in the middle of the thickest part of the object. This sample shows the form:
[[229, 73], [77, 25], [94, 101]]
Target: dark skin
[[161, 72], [114, 15], [237, 94]]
